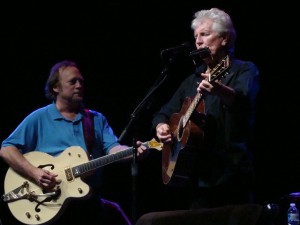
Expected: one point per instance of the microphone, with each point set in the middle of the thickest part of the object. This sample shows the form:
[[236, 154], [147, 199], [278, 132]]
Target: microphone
[[170, 54], [180, 49], [201, 52]]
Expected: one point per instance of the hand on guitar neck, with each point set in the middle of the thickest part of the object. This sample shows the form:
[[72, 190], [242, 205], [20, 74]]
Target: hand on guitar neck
[[163, 132], [211, 83]]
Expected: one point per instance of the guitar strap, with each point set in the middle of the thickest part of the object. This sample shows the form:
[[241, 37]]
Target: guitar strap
[[88, 129], [113, 212]]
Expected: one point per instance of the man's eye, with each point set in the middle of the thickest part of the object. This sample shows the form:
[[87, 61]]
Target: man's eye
[[74, 81]]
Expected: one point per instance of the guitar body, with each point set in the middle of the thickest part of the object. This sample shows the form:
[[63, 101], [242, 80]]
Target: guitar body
[[29, 211], [30, 204], [177, 156]]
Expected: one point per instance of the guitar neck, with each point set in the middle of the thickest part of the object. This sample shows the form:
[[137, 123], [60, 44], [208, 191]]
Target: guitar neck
[[99, 162], [191, 108], [87, 167]]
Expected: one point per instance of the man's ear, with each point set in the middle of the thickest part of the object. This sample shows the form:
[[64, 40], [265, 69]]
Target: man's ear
[[225, 40], [55, 89]]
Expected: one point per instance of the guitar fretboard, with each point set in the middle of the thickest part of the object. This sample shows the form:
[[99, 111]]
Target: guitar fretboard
[[79, 170], [191, 108], [99, 162]]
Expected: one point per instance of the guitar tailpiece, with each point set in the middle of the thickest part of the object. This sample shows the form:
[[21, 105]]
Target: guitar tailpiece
[[14, 194]]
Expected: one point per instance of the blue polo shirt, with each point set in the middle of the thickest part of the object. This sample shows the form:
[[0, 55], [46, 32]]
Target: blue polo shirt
[[46, 130]]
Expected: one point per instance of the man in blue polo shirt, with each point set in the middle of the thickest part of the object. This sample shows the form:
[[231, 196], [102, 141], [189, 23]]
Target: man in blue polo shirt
[[53, 129]]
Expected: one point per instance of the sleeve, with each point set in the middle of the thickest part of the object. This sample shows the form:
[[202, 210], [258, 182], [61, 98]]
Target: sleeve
[[104, 133], [175, 103], [242, 113], [24, 136], [247, 84]]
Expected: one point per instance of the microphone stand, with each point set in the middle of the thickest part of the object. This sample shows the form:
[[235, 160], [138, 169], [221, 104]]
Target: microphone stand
[[134, 116], [167, 60]]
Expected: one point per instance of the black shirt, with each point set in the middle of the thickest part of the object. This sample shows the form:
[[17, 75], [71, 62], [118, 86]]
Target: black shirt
[[225, 151]]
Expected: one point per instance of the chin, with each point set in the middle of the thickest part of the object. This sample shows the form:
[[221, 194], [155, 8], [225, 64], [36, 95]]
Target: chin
[[77, 100]]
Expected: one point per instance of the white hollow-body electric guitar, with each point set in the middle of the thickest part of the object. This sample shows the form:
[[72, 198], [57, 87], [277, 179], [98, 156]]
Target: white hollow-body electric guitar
[[30, 204]]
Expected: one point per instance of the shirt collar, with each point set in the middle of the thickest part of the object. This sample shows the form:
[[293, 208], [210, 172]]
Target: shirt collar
[[55, 114]]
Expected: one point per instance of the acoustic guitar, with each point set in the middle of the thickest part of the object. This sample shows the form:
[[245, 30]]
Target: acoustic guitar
[[177, 160], [30, 204]]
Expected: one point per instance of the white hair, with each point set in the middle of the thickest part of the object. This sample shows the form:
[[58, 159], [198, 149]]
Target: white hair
[[222, 23]]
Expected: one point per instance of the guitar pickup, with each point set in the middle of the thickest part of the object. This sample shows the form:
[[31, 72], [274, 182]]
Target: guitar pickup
[[69, 175]]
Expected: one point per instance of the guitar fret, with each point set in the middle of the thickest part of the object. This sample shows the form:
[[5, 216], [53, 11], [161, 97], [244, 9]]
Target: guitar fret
[[104, 160]]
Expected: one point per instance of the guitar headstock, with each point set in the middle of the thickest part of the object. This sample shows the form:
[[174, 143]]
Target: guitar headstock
[[155, 144], [220, 70]]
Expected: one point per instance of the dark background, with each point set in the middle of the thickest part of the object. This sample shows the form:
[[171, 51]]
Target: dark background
[[117, 46]]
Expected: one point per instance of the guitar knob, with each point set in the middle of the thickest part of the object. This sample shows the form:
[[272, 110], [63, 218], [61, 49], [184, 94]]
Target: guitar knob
[[37, 217], [80, 190], [28, 215]]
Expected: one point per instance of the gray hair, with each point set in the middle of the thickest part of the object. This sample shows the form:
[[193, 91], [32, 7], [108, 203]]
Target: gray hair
[[222, 24]]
